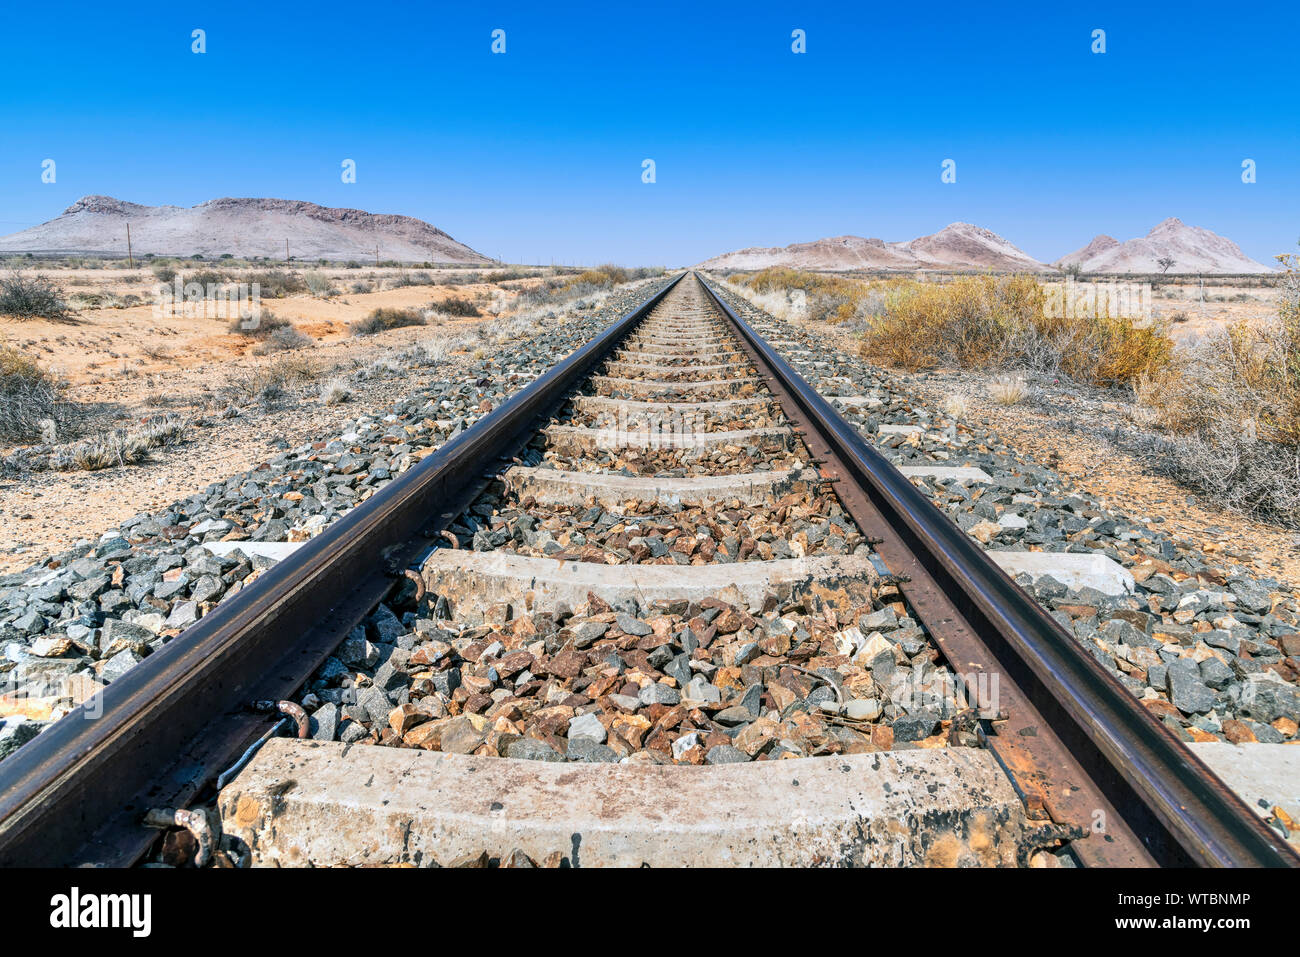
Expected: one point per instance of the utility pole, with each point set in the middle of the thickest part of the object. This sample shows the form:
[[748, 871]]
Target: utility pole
[[129, 258], [376, 255], [286, 250]]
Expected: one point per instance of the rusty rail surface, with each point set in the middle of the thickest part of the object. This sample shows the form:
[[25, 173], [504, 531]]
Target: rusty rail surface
[[78, 792], [1089, 760]]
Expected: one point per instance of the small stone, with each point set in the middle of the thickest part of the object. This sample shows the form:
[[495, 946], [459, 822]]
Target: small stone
[[914, 727], [659, 693], [632, 626], [52, 646], [460, 736], [1238, 732], [725, 754], [700, 689], [586, 726], [324, 723], [736, 714], [588, 751], [118, 665], [530, 749], [863, 709]]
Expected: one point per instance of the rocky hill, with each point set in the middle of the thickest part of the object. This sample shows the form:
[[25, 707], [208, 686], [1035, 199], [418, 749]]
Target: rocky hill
[[960, 246], [241, 227], [1192, 248]]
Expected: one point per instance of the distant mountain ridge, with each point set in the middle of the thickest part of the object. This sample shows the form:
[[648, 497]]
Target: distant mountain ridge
[[241, 227], [957, 246], [963, 246], [1192, 249]]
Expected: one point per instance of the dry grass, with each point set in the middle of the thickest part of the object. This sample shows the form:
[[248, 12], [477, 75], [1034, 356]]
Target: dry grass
[[955, 406], [29, 397], [269, 386], [283, 338], [982, 322], [336, 392], [116, 447], [385, 318], [31, 297], [457, 306], [259, 324], [603, 277], [1231, 409], [817, 296], [1009, 389]]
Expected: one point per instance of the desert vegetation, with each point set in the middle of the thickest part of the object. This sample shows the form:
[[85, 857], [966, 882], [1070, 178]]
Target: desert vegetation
[[1229, 408], [989, 322], [1220, 414], [29, 397], [382, 319], [25, 297]]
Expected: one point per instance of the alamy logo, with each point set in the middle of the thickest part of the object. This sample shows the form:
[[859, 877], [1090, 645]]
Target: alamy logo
[[74, 910]]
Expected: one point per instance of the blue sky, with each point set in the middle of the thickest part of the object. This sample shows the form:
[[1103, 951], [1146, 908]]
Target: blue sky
[[536, 154]]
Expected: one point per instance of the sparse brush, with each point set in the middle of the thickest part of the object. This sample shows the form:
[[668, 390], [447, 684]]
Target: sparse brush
[[336, 392], [413, 279], [277, 283], [283, 339], [163, 270], [318, 284], [456, 306], [29, 397], [385, 318], [362, 287], [978, 322], [1008, 389], [955, 405], [268, 385], [116, 447], [259, 324], [1231, 408], [31, 297], [208, 279]]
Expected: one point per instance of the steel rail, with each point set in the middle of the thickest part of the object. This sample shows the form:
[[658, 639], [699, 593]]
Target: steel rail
[[78, 792], [1076, 743]]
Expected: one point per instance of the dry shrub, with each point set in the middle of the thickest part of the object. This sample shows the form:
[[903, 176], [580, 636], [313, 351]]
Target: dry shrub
[[385, 318], [602, 277], [283, 338], [269, 385], [955, 405], [1231, 408], [980, 322], [29, 396], [119, 447], [825, 298], [277, 283], [31, 297], [457, 306], [336, 392], [1009, 389], [318, 284], [259, 324]]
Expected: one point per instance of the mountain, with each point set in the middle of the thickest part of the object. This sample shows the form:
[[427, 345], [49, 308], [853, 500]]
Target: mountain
[[1193, 250], [242, 227], [959, 246]]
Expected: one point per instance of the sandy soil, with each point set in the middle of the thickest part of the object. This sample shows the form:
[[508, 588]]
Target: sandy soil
[[126, 364], [1193, 312]]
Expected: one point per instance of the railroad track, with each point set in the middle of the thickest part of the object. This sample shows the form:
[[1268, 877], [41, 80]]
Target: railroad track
[[669, 550]]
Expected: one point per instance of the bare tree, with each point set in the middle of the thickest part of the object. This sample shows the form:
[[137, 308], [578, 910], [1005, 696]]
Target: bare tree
[[1164, 262]]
